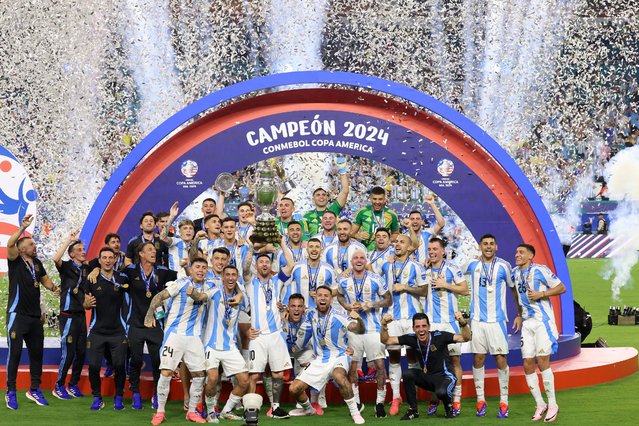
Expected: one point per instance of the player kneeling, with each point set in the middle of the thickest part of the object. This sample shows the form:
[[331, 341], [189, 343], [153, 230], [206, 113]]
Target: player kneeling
[[328, 329]]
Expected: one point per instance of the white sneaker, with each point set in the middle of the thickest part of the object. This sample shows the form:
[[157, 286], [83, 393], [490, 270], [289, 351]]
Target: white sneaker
[[539, 413], [299, 412], [230, 416], [551, 414], [358, 419], [212, 418]]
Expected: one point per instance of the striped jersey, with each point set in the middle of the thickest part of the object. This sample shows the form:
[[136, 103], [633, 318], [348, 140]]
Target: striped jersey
[[405, 305], [328, 333], [340, 257], [207, 246], [377, 258], [263, 298], [238, 255], [185, 316], [326, 240], [370, 288], [221, 319], [538, 278], [305, 279], [442, 308], [298, 339], [488, 285], [178, 250], [299, 254], [244, 232], [421, 254]]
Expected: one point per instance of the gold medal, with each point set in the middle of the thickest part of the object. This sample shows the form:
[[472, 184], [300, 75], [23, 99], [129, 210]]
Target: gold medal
[[322, 342], [425, 370], [36, 284], [148, 294], [440, 293], [489, 288], [125, 286], [228, 321], [268, 307], [75, 290]]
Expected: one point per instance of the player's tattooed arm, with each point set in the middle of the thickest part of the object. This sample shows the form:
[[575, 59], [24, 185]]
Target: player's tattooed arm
[[387, 300], [156, 302], [383, 335], [164, 232], [356, 327]]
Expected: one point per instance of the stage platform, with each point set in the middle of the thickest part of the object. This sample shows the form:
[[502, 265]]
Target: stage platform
[[590, 367]]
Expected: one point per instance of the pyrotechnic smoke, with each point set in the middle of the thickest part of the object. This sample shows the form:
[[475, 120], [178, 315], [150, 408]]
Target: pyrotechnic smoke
[[623, 184]]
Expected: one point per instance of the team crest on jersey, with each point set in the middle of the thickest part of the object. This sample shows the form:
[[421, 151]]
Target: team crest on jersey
[[433, 348], [13, 334], [69, 339], [157, 246], [36, 267]]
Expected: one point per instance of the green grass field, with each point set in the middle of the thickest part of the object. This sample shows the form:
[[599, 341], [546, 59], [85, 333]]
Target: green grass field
[[607, 403]]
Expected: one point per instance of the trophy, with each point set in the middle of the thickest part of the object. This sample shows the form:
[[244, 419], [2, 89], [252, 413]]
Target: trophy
[[340, 162], [286, 185], [224, 182], [265, 231]]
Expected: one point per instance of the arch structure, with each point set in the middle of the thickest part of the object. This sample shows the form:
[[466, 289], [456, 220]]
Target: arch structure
[[348, 113]]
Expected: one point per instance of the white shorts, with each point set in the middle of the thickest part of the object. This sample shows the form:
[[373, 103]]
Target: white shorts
[[454, 349], [182, 348], [302, 359], [489, 338], [269, 349], [399, 328], [318, 373], [538, 338], [368, 343], [231, 360]]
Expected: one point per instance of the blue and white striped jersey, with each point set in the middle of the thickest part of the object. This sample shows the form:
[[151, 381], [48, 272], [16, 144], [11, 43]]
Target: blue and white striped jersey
[[377, 258], [178, 250], [340, 257], [298, 339], [305, 279], [405, 305], [538, 278], [328, 333], [221, 319], [185, 316], [488, 285], [238, 255], [441, 305], [421, 254], [279, 262], [371, 288], [207, 246], [326, 240], [263, 298]]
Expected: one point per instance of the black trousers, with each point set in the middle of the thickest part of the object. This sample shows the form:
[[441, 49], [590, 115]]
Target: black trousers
[[137, 337], [73, 343], [97, 346], [441, 384], [24, 329]]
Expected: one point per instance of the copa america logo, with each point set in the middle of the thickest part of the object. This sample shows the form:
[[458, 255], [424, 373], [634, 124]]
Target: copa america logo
[[445, 167], [189, 168]]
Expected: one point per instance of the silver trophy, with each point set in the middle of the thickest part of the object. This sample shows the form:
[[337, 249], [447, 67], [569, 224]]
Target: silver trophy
[[225, 182], [285, 185], [341, 163]]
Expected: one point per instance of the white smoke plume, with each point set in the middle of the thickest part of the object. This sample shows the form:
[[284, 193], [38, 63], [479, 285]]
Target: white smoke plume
[[622, 175]]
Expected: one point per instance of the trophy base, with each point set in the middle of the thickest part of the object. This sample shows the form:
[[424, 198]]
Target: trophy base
[[265, 231]]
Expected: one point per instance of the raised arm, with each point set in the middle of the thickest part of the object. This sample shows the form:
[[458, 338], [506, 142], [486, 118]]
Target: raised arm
[[219, 204], [57, 257], [345, 187], [290, 261], [164, 232], [12, 249], [440, 222]]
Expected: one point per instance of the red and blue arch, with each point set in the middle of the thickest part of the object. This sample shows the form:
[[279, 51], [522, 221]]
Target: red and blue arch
[[486, 188]]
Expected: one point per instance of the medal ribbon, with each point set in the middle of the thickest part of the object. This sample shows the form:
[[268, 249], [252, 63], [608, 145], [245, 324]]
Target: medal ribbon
[[379, 222], [439, 273], [323, 326], [112, 280], [299, 251], [396, 276], [343, 257], [489, 278], [424, 358], [292, 337], [227, 308], [268, 294], [31, 269], [312, 280], [360, 291], [379, 256], [232, 250], [148, 280], [524, 278], [79, 269]]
